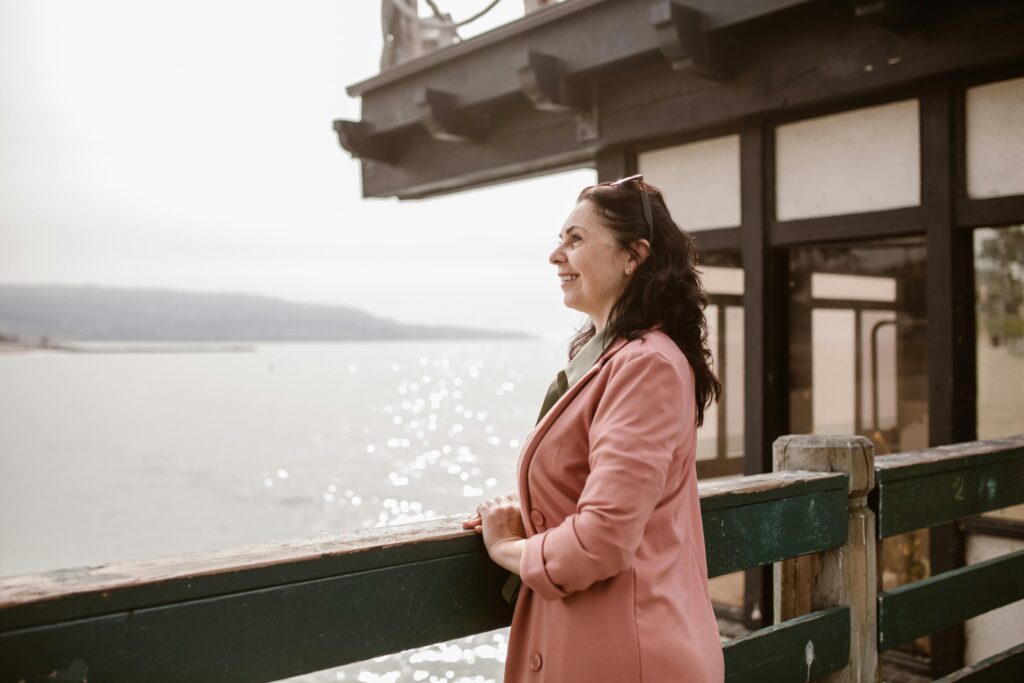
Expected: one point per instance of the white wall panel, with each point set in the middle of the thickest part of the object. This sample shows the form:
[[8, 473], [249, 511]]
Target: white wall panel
[[701, 181], [995, 139], [855, 161]]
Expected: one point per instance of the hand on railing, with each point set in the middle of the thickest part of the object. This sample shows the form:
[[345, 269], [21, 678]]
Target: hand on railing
[[501, 523]]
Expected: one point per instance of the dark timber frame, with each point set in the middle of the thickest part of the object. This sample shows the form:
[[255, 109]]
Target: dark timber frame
[[552, 91]]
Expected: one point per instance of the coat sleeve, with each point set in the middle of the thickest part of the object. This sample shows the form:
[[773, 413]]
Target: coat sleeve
[[640, 422]]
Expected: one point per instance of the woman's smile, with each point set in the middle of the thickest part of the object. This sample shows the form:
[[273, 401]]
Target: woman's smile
[[567, 278]]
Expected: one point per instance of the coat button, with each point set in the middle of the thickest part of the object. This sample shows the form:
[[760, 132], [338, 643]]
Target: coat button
[[537, 518], [535, 662]]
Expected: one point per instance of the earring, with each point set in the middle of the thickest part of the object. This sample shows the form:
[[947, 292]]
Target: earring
[[629, 269]]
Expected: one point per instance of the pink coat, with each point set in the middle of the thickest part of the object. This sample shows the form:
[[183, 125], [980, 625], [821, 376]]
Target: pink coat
[[614, 573]]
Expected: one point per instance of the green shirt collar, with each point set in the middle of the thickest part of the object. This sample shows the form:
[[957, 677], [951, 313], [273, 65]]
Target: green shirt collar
[[585, 358]]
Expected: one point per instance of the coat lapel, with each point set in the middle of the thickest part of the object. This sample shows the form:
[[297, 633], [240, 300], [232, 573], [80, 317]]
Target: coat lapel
[[534, 437]]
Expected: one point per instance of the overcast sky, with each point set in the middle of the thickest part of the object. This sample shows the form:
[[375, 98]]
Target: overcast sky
[[188, 145]]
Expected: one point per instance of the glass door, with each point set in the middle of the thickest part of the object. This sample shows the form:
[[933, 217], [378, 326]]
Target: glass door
[[858, 342], [858, 360]]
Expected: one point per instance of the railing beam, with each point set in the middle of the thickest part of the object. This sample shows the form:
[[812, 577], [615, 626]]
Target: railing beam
[[800, 649], [924, 607]]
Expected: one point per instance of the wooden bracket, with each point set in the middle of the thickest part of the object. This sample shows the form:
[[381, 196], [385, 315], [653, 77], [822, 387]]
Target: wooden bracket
[[444, 120], [898, 16], [588, 121], [685, 41], [543, 81], [357, 138]]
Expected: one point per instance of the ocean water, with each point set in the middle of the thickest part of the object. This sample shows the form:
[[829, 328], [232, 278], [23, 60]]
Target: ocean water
[[117, 456]]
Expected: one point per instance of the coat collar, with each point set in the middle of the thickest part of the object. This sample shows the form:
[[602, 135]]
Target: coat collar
[[545, 424], [585, 358]]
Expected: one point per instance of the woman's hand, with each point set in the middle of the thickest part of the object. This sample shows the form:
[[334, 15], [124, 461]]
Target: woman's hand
[[501, 523]]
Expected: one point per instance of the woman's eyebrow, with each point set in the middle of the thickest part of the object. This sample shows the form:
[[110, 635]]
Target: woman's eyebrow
[[570, 229]]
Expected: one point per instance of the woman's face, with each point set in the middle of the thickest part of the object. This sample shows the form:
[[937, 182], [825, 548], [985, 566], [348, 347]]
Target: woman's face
[[591, 264]]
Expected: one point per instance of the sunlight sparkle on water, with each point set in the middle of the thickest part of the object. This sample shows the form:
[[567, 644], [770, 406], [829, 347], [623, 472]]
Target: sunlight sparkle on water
[[439, 427], [389, 677]]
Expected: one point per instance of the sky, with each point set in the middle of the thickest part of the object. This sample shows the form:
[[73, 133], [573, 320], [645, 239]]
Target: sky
[[188, 145]]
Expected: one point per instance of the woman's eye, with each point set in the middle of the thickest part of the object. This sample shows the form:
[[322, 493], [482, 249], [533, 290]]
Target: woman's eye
[[574, 238]]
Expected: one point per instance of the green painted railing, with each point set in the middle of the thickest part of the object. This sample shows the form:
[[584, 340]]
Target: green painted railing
[[266, 612], [925, 488], [933, 486], [271, 611]]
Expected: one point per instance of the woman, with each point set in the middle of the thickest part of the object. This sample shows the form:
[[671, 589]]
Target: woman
[[606, 532]]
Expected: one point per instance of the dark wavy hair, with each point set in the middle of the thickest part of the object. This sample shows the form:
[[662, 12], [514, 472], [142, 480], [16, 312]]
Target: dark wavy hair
[[666, 288]]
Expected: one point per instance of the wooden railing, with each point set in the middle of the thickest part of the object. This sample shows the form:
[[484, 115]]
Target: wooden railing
[[929, 487], [267, 612]]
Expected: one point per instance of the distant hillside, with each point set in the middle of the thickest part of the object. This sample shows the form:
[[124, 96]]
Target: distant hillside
[[154, 315]]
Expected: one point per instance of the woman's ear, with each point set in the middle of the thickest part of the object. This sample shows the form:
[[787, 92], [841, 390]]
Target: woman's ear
[[642, 248]]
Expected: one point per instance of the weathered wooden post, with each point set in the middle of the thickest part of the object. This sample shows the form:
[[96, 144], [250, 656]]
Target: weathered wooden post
[[843, 576]]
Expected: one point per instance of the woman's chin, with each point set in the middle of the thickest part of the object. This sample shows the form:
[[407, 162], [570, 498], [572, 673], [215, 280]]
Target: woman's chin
[[572, 302]]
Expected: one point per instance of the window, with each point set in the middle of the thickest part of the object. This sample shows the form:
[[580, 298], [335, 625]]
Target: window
[[999, 311], [720, 439]]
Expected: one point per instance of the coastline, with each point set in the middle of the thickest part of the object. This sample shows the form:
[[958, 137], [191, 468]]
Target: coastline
[[12, 346], [23, 347]]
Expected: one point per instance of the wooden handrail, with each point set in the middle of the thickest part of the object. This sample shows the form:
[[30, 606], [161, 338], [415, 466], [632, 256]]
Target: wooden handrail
[[46, 597], [920, 489], [279, 609], [268, 611]]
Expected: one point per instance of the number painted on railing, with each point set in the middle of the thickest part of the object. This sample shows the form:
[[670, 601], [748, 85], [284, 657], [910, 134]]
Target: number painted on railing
[[958, 488]]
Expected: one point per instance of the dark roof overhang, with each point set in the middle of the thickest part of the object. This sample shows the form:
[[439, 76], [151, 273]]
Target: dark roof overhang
[[555, 88]]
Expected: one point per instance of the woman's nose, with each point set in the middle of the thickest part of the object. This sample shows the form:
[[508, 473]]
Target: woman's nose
[[556, 256]]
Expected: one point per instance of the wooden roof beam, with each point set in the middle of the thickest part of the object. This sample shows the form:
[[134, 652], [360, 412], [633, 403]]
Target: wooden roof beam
[[358, 139], [899, 16], [544, 82], [815, 58], [446, 121], [685, 40], [580, 39]]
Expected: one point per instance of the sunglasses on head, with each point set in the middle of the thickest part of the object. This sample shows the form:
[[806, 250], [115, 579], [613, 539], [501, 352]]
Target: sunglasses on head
[[646, 201]]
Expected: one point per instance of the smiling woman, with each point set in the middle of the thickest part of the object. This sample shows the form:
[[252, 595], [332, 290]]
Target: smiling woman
[[605, 532]]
